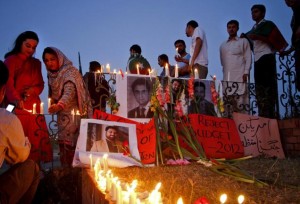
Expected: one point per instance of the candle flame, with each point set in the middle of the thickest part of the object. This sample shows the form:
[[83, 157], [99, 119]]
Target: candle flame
[[223, 198], [157, 186], [180, 201], [241, 199]]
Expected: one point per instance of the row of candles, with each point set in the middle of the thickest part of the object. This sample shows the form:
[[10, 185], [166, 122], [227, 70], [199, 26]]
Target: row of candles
[[119, 192], [167, 71], [33, 111], [41, 107], [126, 194]]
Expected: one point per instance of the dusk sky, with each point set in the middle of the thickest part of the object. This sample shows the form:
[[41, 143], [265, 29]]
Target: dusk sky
[[105, 30]]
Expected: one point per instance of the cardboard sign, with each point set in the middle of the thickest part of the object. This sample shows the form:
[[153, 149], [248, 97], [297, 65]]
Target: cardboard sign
[[218, 136], [146, 135], [260, 136]]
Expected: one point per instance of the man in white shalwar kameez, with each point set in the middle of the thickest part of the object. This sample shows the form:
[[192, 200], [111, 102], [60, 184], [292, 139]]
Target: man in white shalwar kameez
[[235, 54]]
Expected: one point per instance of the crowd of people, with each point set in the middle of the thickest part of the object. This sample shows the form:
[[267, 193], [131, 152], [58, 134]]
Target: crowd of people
[[23, 147]]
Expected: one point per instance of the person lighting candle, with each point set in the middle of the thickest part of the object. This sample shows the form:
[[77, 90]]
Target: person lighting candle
[[24, 86], [67, 89], [182, 59]]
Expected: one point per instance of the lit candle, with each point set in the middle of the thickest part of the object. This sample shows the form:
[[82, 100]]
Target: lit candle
[[102, 182], [223, 198], [108, 180], [214, 77], [41, 108], [97, 169], [34, 108], [73, 115], [105, 164], [137, 69], [108, 68], [176, 71], [113, 191], [49, 102], [132, 193], [115, 71], [91, 161], [119, 193], [177, 54], [99, 73], [132, 197], [196, 74], [167, 73], [241, 199], [180, 201]]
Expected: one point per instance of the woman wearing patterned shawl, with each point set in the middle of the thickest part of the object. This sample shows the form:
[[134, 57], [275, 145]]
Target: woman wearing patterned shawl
[[68, 96]]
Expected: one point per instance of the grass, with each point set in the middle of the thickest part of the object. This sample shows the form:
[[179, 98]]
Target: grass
[[193, 181]]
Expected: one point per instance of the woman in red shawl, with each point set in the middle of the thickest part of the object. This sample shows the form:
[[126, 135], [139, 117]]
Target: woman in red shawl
[[24, 86], [68, 94]]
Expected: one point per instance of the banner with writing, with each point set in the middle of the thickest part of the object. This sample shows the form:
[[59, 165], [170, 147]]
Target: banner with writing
[[146, 135], [218, 136], [259, 136]]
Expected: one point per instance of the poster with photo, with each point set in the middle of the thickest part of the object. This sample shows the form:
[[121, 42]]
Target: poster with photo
[[99, 137], [133, 92], [202, 101]]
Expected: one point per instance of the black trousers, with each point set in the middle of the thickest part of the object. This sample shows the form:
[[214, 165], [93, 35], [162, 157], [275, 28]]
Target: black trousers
[[265, 76]]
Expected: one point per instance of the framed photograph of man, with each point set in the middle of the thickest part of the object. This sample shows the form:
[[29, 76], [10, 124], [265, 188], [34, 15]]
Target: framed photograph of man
[[202, 101], [133, 93], [139, 91], [99, 137]]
